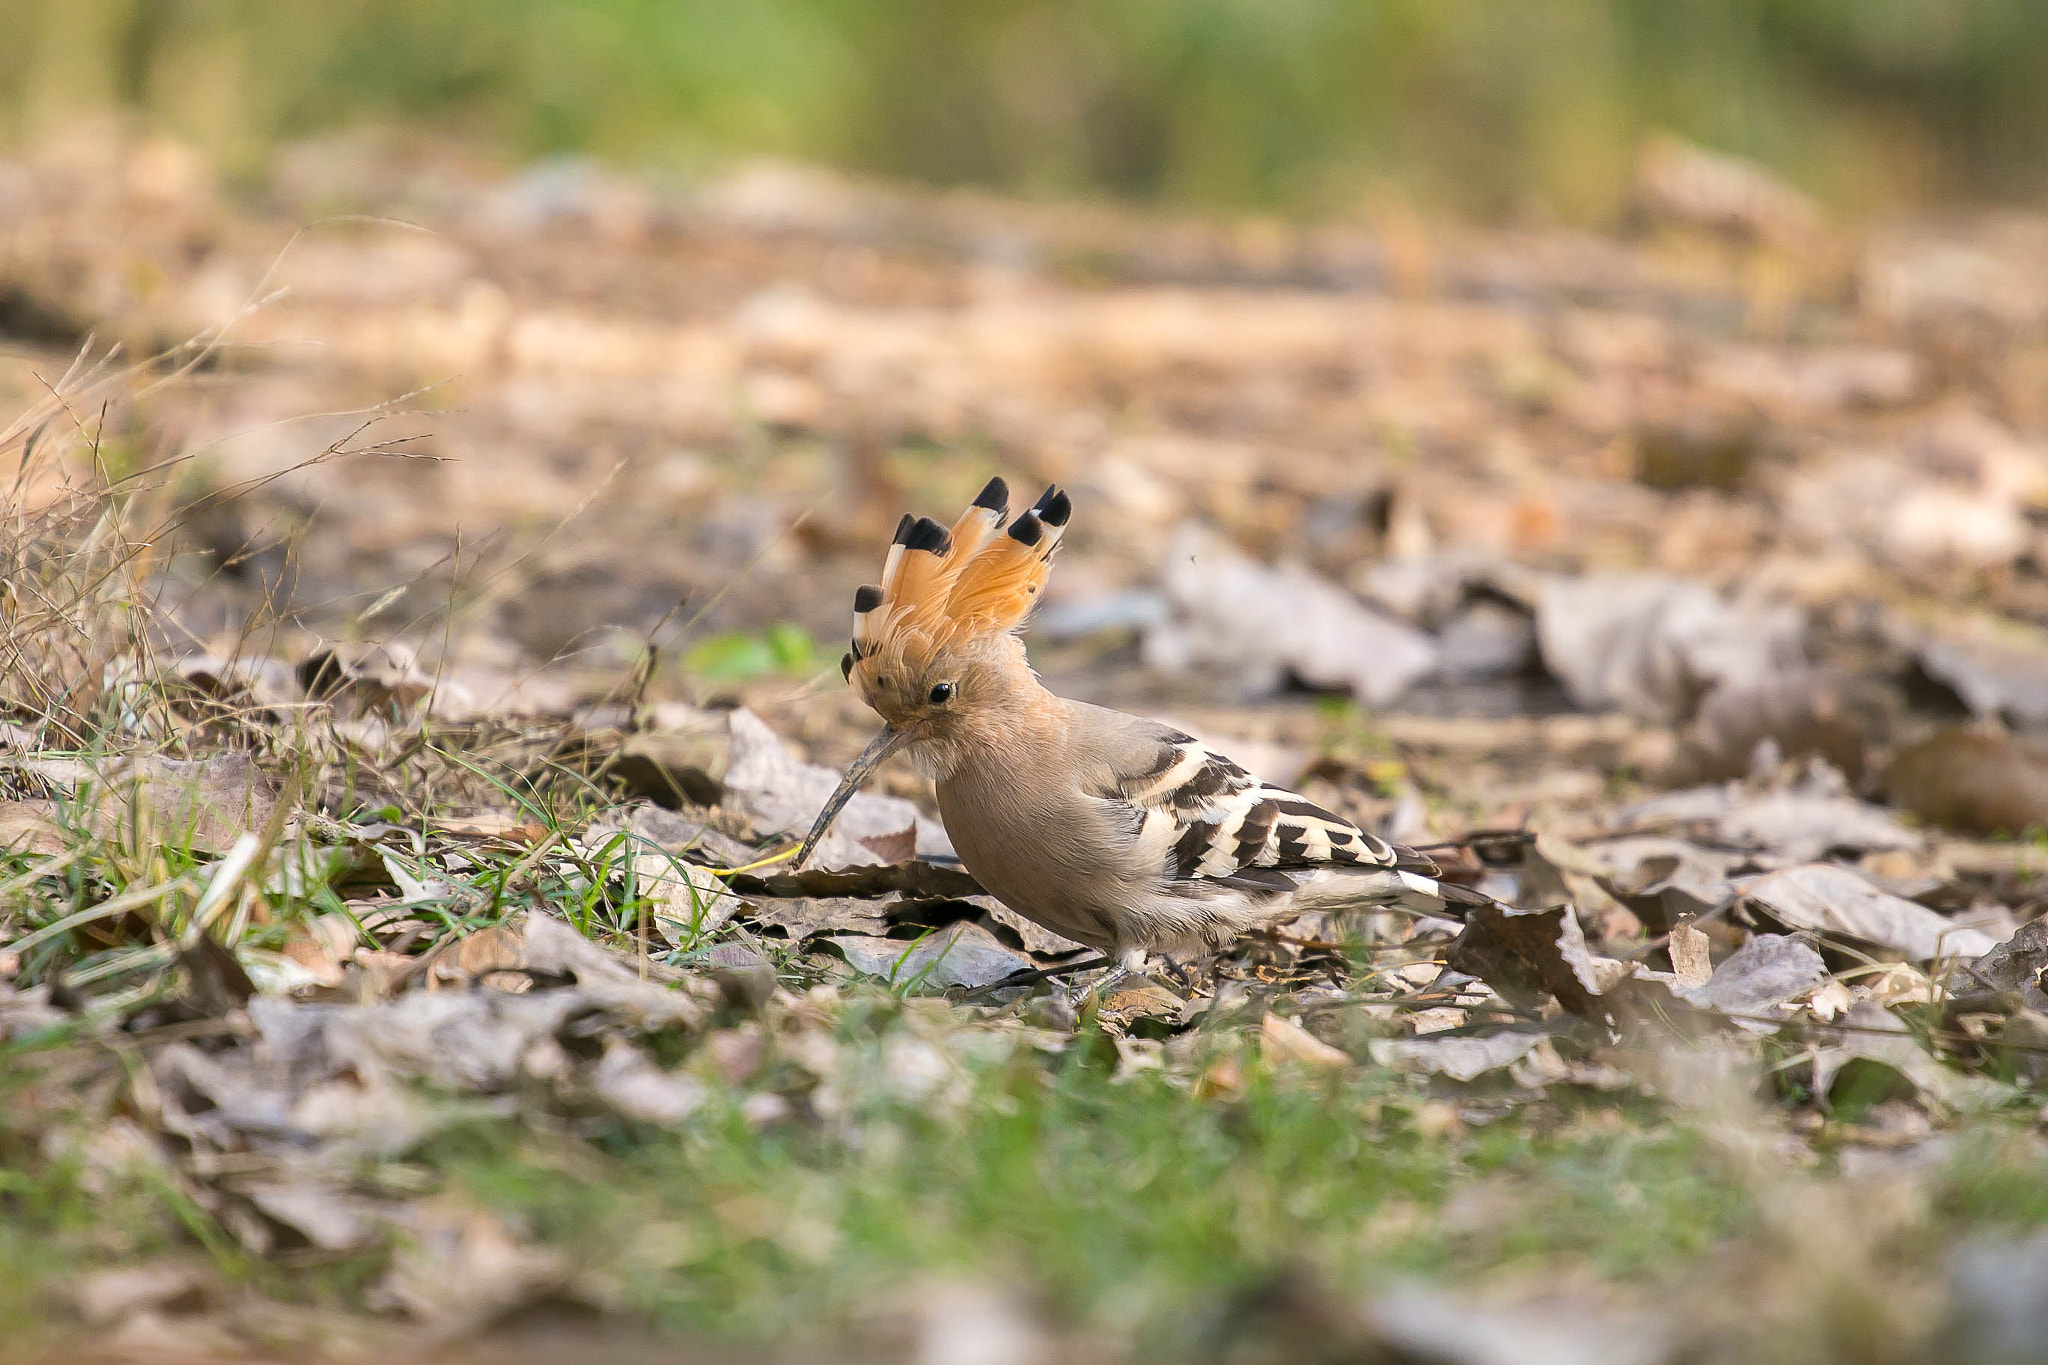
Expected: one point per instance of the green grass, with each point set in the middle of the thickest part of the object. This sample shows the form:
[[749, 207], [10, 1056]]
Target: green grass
[[1123, 1198], [1134, 1203]]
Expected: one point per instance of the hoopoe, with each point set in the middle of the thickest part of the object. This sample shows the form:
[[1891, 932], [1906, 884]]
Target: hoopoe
[[1119, 833]]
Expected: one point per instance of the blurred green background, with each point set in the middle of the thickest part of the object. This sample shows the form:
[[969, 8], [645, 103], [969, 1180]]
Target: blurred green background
[[1485, 107]]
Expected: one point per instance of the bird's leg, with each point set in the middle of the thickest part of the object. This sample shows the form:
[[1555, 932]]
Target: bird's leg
[[1128, 961], [1180, 973]]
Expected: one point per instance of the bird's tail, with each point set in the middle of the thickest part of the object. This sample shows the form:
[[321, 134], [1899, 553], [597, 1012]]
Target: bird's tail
[[1439, 896]]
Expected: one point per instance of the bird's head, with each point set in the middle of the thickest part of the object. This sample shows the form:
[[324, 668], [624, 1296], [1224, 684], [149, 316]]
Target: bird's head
[[934, 649]]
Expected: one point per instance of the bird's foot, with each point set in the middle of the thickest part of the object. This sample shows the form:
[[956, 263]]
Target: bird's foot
[[1127, 964]]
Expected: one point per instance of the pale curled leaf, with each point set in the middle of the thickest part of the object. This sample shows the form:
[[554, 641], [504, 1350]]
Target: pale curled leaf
[[1802, 823], [104, 1296], [1653, 645], [1461, 1057], [1309, 628], [960, 955], [1757, 979], [690, 904], [1876, 1052], [1285, 1040], [632, 1085], [1425, 1324], [782, 795], [329, 1218], [1825, 899], [458, 1262]]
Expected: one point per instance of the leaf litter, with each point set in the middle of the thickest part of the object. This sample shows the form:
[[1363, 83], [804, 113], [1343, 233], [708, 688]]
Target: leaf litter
[[289, 905]]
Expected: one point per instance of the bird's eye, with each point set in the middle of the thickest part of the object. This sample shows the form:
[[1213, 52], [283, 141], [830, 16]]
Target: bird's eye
[[942, 693]]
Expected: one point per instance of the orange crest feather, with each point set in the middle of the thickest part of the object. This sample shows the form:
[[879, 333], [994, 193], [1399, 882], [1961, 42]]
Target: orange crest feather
[[943, 587]]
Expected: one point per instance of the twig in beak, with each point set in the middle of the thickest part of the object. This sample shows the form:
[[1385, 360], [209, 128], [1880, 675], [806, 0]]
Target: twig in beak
[[863, 767]]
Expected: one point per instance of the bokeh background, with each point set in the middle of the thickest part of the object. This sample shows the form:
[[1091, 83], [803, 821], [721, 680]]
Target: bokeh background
[[1301, 105]]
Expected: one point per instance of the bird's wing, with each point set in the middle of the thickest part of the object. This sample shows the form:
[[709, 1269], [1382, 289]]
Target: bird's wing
[[1206, 818]]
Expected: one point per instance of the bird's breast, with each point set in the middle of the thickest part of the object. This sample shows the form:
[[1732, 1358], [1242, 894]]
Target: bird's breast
[[1045, 859]]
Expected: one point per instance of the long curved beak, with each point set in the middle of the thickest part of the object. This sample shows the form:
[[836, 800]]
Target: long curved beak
[[884, 744]]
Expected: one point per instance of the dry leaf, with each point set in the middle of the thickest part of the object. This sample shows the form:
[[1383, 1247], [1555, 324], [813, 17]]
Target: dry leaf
[[1755, 982], [490, 824], [782, 795], [1804, 822], [670, 770], [269, 685], [27, 827], [365, 678], [1285, 1040], [1309, 629], [1462, 1058], [2000, 678], [104, 1296], [322, 947], [899, 847], [923, 879], [1222, 1079], [690, 904], [460, 1262], [494, 948], [1654, 646], [1830, 900], [1414, 1322], [1525, 954], [2016, 964], [686, 835], [1689, 954], [961, 955], [626, 1080], [328, 1218], [1794, 714], [801, 917], [202, 804]]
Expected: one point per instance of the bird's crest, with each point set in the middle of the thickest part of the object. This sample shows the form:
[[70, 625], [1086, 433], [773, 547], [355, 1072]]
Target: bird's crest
[[941, 588]]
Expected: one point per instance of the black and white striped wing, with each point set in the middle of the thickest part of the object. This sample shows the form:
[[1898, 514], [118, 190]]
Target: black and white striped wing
[[1207, 818]]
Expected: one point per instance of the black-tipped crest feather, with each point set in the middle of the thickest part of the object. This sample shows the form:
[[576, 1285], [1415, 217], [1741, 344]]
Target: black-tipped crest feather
[[926, 534], [945, 585]]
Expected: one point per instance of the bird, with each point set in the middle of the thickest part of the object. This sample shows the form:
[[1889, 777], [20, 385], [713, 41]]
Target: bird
[[1118, 832]]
